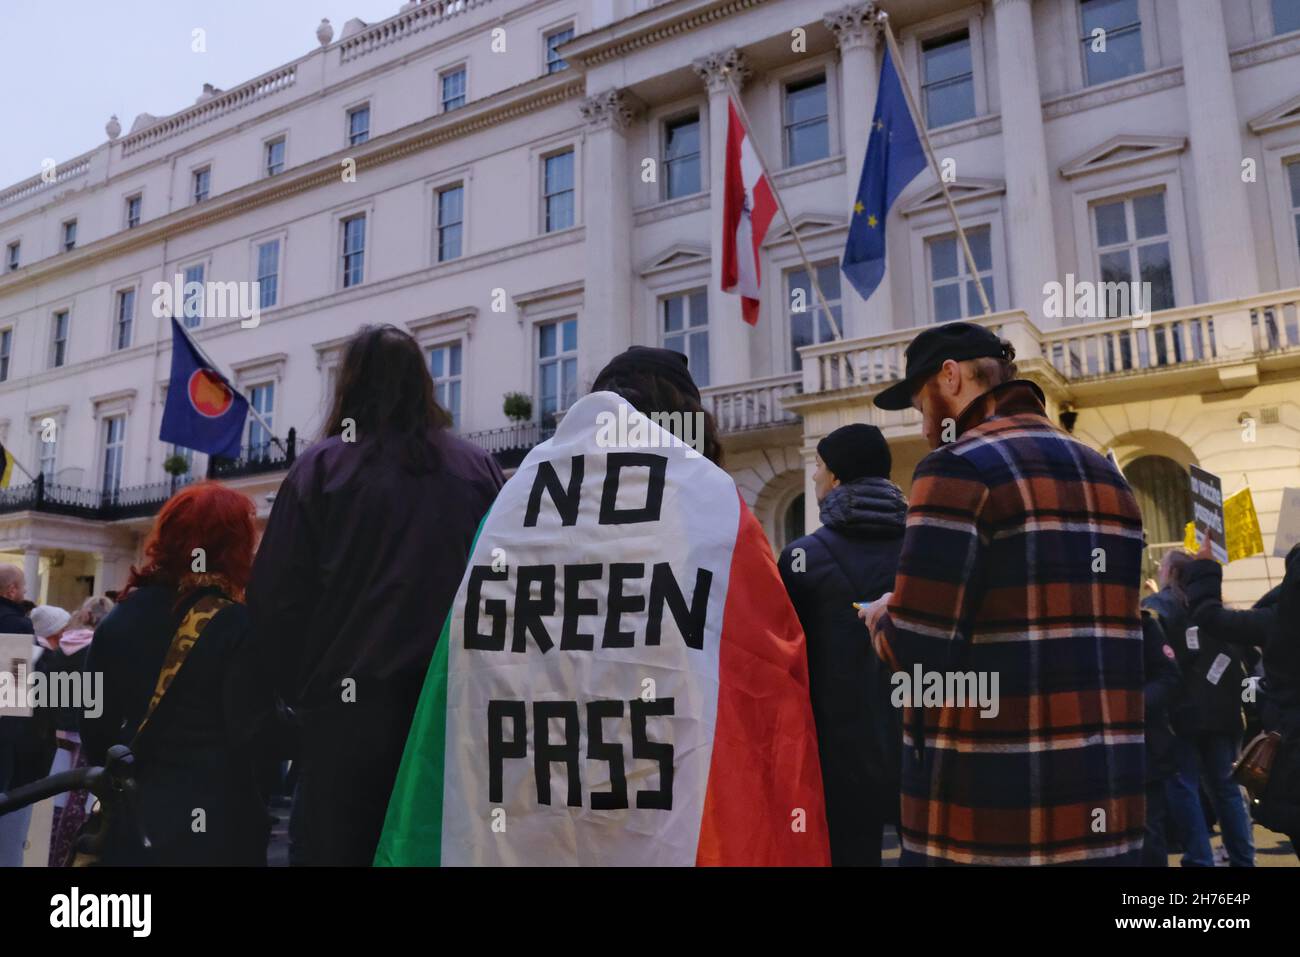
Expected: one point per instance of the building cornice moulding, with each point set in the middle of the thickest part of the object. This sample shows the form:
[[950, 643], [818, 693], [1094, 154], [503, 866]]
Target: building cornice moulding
[[1280, 117], [1272, 48], [1079, 100], [961, 190], [649, 27], [669, 209], [1123, 150]]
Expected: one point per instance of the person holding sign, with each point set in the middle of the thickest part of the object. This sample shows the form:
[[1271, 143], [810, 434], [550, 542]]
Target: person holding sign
[[622, 679]]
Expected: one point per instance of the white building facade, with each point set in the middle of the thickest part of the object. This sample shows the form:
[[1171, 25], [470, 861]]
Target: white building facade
[[530, 187]]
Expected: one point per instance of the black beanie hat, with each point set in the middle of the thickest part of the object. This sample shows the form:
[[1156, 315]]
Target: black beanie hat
[[856, 451], [647, 360]]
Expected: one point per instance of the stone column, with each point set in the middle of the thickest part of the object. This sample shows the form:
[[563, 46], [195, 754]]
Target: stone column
[[111, 571], [858, 36], [607, 308], [32, 572], [1031, 237], [729, 335], [1222, 207]]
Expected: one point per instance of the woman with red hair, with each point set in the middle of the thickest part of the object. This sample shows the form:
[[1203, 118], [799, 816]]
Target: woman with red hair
[[179, 688]]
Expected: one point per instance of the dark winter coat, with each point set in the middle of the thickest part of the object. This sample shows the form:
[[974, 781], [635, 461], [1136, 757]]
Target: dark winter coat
[[851, 558], [19, 759], [202, 747], [1159, 687]]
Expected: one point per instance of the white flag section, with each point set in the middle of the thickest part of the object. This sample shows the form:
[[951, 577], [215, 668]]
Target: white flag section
[[621, 681]]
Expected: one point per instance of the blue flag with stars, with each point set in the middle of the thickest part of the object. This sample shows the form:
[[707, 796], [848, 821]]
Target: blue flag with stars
[[894, 157]]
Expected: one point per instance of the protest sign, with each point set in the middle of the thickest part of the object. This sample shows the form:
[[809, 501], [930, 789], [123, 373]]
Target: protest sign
[[1288, 523], [1240, 527], [1207, 511], [621, 680]]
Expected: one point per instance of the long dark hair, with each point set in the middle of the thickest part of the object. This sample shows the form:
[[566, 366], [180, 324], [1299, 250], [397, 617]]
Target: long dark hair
[[385, 389]]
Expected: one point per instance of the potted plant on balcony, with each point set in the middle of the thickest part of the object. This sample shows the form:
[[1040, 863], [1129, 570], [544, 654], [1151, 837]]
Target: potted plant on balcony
[[175, 465], [518, 407]]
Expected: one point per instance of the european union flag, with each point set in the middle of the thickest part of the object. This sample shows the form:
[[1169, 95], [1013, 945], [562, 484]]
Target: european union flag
[[202, 412], [894, 157]]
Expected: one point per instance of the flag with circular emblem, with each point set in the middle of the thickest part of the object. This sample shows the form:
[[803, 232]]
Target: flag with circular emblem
[[203, 412]]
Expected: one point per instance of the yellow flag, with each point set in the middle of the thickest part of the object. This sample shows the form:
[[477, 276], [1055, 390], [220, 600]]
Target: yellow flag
[[8, 467], [1240, 527]]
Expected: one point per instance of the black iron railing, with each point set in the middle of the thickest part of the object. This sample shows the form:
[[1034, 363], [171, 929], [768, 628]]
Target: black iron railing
[[272, 456], [132, 501], [509, 445]]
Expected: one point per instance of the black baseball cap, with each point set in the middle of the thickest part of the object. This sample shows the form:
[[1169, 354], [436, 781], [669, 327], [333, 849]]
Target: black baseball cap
[[932, 348]]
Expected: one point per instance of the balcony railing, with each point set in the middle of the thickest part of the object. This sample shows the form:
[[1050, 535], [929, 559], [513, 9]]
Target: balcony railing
[[755, 404], [134, 501], [427, 13], [258, 459], [510, 444]]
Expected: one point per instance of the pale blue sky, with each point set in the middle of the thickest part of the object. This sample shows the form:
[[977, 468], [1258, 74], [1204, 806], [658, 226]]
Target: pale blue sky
[[67, 65]]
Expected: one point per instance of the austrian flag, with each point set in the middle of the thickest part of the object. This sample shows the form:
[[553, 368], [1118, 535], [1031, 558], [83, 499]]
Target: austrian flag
[[748, 205]]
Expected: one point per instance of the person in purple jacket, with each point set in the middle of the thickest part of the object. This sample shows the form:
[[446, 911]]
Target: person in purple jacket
[[363, 553]]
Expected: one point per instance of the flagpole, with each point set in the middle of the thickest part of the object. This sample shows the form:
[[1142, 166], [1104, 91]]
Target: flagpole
[[209, 360], [883, 19], [753, 140]]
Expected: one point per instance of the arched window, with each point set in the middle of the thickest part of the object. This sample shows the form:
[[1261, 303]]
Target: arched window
[[1161, 488], [792, 523]]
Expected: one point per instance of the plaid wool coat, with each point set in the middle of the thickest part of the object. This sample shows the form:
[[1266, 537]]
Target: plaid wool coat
[[1021, 559]]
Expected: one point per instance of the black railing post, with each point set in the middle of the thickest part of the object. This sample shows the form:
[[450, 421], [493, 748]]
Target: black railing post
[[292, 451], [40, 490]]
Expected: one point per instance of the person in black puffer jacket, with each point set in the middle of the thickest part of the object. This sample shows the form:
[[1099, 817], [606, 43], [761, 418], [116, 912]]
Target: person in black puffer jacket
[[1276, 629], [851, 558]]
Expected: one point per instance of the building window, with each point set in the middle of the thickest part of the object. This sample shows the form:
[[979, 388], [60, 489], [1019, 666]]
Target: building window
[[70, 235], [682, 156], [48, 453], [451, 216], [114, 447], [1286, 16], [262, 398], [807, 124], [59, 339], [354, 250], [1112, 39], [557, 368], [557, 191], [188, 456], [1160, 486], [12, 255], [808, 321], [1133, 246], [202, 184], [275, 157], [192, 309], [948, 90], [125, 318], [6, 347], [133, 205], [268, 273], [445, 367], [358, 125], [1293, 172], [554, 62], [686, 330], [952, 288], [453, 89]]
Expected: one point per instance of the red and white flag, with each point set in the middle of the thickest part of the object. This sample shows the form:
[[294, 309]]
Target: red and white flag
[[748, 206]]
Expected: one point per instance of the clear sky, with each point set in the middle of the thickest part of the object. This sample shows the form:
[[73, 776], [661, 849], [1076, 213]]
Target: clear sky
[[67, 65]]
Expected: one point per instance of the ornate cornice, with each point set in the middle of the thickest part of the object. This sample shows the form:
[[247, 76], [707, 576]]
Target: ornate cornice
[[854, 26], [721, 69], [612, 109], [660, 22], [1113, 92]]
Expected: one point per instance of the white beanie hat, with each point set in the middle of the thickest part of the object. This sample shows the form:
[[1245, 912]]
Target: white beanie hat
[[49, 620]]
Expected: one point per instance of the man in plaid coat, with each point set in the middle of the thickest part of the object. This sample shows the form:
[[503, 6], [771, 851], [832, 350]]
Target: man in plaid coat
[[1020, 565]]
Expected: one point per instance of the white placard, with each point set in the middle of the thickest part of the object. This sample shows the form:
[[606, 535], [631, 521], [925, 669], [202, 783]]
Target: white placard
[[1217, 669], [1288, 523], [16, 660], [1193, 638]]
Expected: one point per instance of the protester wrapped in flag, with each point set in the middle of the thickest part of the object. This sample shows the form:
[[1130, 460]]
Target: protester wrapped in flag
[[202, 412], [622, 679], [748, 207]]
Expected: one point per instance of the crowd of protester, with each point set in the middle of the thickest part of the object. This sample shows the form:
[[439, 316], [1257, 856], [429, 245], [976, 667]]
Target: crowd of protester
[[222, 658]]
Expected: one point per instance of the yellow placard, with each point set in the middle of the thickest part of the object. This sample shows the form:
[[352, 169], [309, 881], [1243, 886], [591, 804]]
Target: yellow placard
[[1240, 526]]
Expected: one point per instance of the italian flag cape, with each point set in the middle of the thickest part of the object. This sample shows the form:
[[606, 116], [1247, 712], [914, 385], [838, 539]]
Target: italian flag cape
[[621, 679]]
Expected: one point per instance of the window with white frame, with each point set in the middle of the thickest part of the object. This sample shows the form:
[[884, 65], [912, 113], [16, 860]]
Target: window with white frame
[[358, 125], [275, 156], [685, 329], [69, 235], [948, 87], [59, 330], [953, 292], [1286, 16], [806, 121], [114, 432], [808, 321], [452, 83], [1132, 237], [445, 367], [354, 250], [268, 273], [682, 156], [1293, 175], [557, 191], [557, 368], [554, 40], [6, 349], [451, 221], [192, 307], [47, 448], [261, 397], [201, 184], [1112, 40], [124, 319], [133, 207], [12, 254]]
